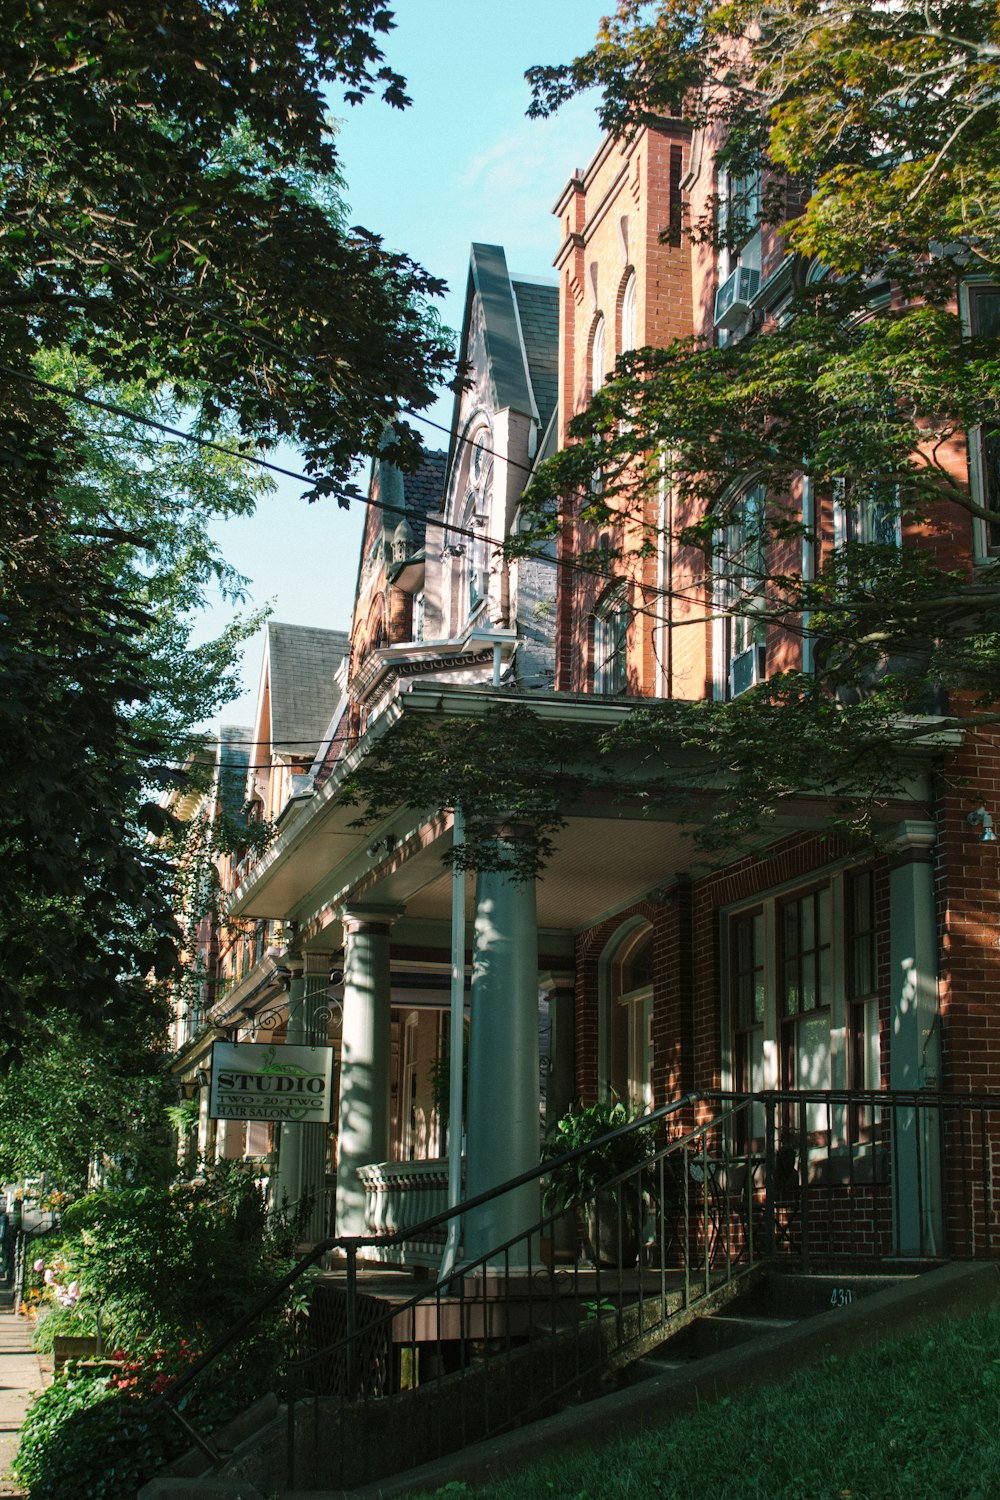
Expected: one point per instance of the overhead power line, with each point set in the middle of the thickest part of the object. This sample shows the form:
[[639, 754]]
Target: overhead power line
[[350, 493]]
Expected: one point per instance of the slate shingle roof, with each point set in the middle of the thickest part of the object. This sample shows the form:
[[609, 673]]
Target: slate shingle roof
[[234, 763], [424, 492], [302, 660], [538, 309]]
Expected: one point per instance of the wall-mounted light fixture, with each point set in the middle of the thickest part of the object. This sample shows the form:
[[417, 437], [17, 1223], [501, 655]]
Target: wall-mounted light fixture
[[984, 820]]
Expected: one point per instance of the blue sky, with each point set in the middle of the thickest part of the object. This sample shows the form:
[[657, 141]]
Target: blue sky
[[461, 164]]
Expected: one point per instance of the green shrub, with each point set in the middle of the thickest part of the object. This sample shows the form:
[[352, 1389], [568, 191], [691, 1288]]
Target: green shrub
[[57, 1322], [83, 1440], [181, 1262], [170, 1270]]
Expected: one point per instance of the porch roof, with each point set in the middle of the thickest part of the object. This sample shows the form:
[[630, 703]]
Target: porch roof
[[613, 851]]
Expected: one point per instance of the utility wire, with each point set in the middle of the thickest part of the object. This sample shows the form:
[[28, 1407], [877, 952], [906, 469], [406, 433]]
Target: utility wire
[[346, 491]]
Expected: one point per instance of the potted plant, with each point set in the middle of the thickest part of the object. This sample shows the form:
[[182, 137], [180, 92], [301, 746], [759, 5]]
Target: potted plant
[[612, 1215]]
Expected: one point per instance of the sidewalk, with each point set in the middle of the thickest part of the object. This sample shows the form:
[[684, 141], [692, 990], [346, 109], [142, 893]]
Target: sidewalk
[[20, 1377]]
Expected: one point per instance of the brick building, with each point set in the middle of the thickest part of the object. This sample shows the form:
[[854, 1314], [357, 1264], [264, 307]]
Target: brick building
[[786, 964]]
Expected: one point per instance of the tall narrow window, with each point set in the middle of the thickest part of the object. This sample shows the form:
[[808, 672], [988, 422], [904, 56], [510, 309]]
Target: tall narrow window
[[611, 622], [747, 991], [862, 998], [629, 1022], [740, 580], [984, 441], [628, 315], [740, 212], [747, 959], [598, 357], [474, 521], [476, 574], [806, 966]]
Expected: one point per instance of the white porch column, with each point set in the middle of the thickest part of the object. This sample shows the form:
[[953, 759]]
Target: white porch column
[[366, 1057], [503, 1060], [561, 1084], [914, 1061]]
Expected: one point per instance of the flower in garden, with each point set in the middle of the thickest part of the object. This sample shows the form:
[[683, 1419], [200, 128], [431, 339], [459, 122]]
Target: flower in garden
[[39, 1265], [50, 1276]]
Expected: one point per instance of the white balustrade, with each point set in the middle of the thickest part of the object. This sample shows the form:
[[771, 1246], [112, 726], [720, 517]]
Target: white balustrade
[[400, 1195]]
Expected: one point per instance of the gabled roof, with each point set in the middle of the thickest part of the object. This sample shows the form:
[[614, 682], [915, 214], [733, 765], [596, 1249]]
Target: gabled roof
[[521, 333], [301, 663]]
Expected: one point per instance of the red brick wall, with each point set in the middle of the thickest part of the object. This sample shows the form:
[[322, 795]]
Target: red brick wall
[[967, 873]]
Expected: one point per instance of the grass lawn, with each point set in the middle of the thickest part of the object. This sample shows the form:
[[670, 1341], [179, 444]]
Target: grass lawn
[[917, 1418]]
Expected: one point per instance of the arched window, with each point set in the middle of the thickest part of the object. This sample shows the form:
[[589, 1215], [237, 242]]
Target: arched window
[[628, 315], [598, 357], [476, 579], [611, 622], [470, 583], [625, 1039]]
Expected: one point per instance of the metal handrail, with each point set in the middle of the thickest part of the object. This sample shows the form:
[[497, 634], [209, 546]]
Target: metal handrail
[[354, 1242], [727, 1105]]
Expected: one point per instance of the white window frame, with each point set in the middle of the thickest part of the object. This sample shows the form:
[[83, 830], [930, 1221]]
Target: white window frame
[[857, 522], [770, 903], [629, 315], [735, 635], [637, 1007], [747, 251], [598, 355]]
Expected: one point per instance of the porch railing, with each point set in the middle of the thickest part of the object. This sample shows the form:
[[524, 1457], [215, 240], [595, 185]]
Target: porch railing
[[399, 1197], [807, 1180]]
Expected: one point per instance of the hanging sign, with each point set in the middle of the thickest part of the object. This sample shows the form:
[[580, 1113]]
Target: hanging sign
[[271, 1081]]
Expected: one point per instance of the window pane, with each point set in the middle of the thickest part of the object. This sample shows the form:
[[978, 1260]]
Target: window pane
[[825, 977], [808, 933], [861, 887], [986, 313], [792, 1005], [824, 917], [628, 316], [791, 929], [812, 1069], [598, 364]]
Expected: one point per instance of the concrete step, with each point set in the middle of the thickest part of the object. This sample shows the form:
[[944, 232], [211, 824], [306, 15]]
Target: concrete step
[[710, 1335]]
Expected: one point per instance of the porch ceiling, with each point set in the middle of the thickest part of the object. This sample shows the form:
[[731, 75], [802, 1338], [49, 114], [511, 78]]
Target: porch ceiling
[[599, 864]]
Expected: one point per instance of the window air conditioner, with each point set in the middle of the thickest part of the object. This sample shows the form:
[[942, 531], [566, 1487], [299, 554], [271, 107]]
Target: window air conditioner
[[733, 299], [746, 668]]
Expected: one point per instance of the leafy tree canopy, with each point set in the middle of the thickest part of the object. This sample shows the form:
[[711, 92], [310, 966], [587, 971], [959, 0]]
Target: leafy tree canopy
[[174, 246], [884, 120], [890, 111]]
